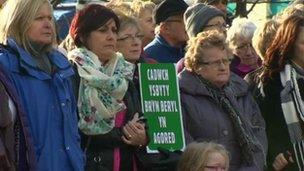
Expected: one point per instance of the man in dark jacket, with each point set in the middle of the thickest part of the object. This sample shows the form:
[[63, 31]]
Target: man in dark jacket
[[168, 45]]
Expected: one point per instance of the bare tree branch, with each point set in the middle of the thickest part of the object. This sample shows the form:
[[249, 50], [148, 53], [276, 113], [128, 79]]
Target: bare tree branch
[[252, 6], [241, 8]]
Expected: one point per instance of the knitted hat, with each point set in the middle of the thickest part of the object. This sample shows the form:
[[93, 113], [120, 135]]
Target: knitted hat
[[197, 16], [168, 8]]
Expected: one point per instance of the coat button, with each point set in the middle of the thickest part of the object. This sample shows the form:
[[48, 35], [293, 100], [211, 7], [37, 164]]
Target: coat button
[[62, 104], [67, 148], [225, 132], [97, 159]]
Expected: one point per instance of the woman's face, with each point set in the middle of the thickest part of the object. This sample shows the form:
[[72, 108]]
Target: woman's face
[[299, 48], [245, 51], [103, 41], [215, 66], [129, 43], [41, 30], [215, 162], [147, 25], [216, 23]]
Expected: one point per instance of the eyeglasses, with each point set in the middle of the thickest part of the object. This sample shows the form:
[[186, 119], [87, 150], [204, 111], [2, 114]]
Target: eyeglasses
[[215, 168], [130, 38], [218, 25], [218, 63], [244, 46]]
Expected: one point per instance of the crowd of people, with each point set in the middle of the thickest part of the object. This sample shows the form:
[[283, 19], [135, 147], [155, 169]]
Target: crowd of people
[[71, 101]]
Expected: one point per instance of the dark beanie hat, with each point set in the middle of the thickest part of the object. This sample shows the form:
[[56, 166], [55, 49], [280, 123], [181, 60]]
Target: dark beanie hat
[[197, 16], [168, 8]]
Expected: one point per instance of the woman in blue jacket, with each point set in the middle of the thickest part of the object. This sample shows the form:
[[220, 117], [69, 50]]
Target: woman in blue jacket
[[41, 76]]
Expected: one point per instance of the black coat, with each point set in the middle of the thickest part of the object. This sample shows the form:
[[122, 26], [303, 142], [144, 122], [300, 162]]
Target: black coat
[[99, 148], [276, 128]]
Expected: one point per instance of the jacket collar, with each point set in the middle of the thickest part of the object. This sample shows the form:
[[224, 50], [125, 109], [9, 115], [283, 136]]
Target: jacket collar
[[27, 62], [163, 42]]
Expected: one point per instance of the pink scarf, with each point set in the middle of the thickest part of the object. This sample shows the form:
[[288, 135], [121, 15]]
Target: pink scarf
[[119, 120]]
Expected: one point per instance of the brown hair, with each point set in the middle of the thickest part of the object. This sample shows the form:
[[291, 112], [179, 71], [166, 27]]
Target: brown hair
[[282, 48], [263, 36]]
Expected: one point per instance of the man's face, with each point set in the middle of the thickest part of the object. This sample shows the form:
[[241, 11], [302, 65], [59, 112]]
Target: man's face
[[176, 28]]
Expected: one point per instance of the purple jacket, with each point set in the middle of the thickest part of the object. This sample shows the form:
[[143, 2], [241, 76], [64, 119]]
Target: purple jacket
[[26, 153], [205, 121]]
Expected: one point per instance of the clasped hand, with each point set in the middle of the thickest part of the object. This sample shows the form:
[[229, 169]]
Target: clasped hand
[[134, 132]]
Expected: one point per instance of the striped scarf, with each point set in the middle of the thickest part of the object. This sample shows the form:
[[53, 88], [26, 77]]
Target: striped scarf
[[293, 110]]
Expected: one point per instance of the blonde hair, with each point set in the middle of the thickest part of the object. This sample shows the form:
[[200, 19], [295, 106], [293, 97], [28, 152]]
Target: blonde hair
[[139, 7], [297, 9], [126, 21], [197, 45], [16, 18], [68, 43], [241, 29], [263, 36], [196, 155], [119, 6]]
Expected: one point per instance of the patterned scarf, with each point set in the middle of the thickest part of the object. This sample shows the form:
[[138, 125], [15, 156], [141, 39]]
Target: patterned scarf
[[101, 90], [293, 110], [246, 139]]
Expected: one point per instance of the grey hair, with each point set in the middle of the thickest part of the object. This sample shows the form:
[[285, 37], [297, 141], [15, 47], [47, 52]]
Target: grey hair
[[241, 28]]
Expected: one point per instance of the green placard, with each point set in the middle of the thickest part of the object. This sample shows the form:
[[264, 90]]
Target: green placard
[[161, 106]]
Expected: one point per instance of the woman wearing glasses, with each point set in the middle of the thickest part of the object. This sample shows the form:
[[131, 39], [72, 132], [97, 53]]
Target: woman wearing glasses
[[239, 37], [129, 38], [216, 103], [129, 43]]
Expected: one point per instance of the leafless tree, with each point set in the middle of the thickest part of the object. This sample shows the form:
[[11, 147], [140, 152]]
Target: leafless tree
[[241, 7]]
